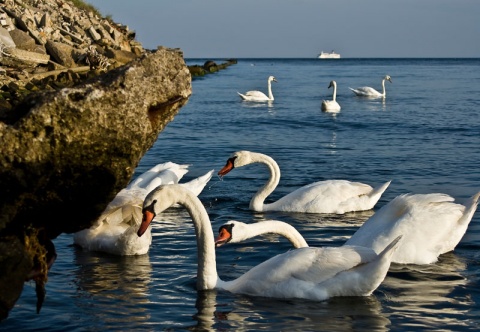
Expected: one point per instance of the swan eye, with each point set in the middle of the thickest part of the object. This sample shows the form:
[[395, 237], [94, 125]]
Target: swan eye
[[150, 208]]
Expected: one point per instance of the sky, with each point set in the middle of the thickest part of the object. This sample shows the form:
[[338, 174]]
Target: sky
[[303, 28]]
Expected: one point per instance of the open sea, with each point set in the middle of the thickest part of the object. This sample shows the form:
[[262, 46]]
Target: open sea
[[425, 137]]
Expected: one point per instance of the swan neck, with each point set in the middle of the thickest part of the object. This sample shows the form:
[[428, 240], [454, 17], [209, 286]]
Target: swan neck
[[270, 94], [257, 202], [280, 228], [383, 87], [207, 276], [334, 92]]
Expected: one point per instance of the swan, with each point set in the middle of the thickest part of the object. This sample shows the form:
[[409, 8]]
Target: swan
[[367, 91], [331, 105], [114, 232], [307, 273], [431, 225], [329, 196], [258, 95]]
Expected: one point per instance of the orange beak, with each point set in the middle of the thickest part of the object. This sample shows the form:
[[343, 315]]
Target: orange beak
[[146, 220], [223, 237], [227, 168]]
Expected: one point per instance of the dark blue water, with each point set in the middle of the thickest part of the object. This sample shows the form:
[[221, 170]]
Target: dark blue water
[[425, 137]]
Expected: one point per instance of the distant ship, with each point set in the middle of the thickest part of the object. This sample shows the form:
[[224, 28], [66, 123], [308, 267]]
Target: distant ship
[[326, 55]]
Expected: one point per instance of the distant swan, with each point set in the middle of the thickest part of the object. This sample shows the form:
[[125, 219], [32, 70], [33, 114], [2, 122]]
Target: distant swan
[[431, 225], [329, 196], [115, 230], [307, 273], [331, 105], [367, 91], [258, 95]]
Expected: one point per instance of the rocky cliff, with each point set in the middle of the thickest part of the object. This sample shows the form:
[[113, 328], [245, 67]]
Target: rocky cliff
[[67, 149]]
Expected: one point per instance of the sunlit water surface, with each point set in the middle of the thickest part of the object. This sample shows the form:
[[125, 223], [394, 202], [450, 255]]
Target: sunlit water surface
[[425, 137]]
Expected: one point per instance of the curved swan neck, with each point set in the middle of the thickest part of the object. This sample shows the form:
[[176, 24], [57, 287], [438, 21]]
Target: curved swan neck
[[383, 87], [257, 201], [279, 228], [207, 276], [270, 94]]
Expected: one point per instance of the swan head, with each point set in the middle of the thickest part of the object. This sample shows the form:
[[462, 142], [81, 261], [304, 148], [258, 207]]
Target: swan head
[[332, 84], [272, 79], [227, 234], [157, 201], [388, 78], [237, 159]]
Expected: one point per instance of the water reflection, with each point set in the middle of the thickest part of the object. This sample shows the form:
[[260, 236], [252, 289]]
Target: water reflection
[[218, 311], [429, 295], [112, 282]]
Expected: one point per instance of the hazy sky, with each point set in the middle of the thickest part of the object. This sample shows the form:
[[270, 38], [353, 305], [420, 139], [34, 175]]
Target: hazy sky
[[303, 28]]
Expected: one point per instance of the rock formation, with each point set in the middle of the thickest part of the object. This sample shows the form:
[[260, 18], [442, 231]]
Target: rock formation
[[68, 148]]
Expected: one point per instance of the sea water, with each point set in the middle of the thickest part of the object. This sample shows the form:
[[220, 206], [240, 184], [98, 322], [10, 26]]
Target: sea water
[[424, 137]]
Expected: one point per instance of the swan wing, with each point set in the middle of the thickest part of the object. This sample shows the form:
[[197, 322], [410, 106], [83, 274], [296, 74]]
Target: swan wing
[[304, 273], [429, 224], [165, 173], [330, 196], [197, 185], [365, 91]]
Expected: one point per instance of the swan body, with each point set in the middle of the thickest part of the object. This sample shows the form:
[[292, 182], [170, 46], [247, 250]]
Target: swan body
[[259, 96], [115, 230], [330, 196], [307, 273], [331, 105], [431, 224], [367, 91]]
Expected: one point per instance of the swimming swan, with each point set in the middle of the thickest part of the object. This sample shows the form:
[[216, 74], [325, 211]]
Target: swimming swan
[[258, 95], [431, 225], [329, 196], [308, 273], [115, 230], [331, 105], [367, 91]]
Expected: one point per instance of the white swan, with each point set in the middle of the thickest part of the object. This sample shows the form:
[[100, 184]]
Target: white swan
[[115, 230], [307, 273], [331, 105], [330, 196], [367, 91], [431, 225], [258, 95]]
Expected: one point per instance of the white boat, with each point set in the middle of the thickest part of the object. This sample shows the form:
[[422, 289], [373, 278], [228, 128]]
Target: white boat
[[326, 55]]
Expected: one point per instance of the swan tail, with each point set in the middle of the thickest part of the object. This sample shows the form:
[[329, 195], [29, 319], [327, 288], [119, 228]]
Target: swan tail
[[470, 208], [390, 249], [378, 192], [197, 185]]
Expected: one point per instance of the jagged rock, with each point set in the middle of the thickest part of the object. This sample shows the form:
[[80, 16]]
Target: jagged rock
[[22, 40], [62, 53], [67, 153]]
